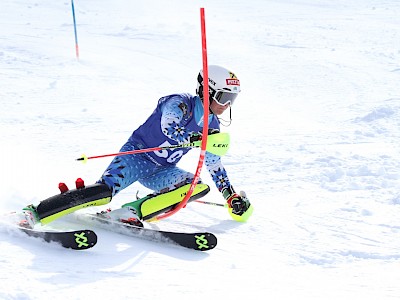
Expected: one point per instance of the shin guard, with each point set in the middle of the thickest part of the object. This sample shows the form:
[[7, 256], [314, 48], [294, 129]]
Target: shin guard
[[154, 205], [67, 202]]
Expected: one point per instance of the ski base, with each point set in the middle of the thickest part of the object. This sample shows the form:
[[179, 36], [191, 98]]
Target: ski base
[[200, 241], [76, 240]]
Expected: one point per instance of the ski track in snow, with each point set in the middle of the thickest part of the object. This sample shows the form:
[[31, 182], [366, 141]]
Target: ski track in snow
[[315, 144]]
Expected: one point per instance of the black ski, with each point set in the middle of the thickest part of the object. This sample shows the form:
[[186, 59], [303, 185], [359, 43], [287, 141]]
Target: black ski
[[200, 241], [76, 240]]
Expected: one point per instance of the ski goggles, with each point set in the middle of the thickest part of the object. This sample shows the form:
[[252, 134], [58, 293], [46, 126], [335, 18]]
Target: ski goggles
[[223, 98]]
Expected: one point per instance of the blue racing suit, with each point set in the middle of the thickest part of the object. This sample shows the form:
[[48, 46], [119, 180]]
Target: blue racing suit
[[176, 118]]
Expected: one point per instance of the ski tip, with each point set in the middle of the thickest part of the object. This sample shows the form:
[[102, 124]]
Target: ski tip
[[205, 241], [75, 240]]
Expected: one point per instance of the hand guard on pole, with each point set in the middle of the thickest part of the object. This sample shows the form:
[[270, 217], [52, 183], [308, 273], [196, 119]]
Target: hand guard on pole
[[239, 205]]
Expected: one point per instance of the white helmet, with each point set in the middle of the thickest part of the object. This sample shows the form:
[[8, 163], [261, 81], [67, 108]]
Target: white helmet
[[223, 85]]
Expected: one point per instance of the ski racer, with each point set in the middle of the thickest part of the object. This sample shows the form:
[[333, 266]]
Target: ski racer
[[177, 119]]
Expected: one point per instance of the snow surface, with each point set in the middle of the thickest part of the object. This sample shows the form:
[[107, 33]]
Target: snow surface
[[315, 144]]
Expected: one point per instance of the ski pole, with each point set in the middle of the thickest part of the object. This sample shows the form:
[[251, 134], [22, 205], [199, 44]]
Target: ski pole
[[84, 158], [217, 144], [211, 203]]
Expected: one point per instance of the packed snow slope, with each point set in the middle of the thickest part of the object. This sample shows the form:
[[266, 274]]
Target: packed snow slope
[[315, 144]]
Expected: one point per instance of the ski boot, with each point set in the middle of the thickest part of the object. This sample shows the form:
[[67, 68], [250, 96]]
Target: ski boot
[[126, 215], [31, 217]]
